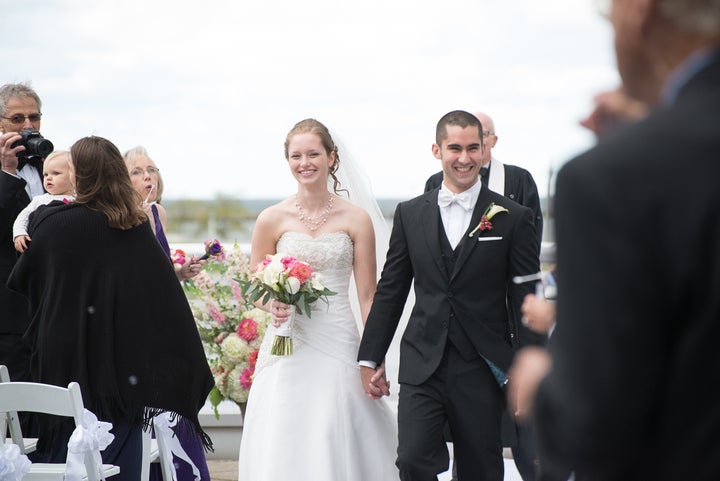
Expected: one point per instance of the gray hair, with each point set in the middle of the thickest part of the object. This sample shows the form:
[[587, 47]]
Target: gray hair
[[138, 151], [693, 16], [9, 91]]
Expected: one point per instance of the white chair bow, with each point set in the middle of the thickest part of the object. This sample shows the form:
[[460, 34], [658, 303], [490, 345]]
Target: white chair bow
[[169, 444], [91, 436], [13, 464]]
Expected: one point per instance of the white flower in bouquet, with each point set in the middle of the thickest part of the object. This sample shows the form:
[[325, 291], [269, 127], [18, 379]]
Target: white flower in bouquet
[[316, 282], [292, 284]]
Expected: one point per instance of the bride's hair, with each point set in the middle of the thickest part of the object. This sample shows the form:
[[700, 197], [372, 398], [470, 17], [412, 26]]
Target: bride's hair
[[312, 126]]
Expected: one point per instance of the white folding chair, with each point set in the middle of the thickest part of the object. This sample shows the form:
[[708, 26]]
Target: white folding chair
[[10, 421], [58, 401]]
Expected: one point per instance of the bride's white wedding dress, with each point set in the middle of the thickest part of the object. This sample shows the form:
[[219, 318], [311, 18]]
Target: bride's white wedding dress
[[308, 417]]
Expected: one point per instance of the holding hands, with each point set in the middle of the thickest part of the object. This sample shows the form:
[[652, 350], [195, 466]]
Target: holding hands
[[375, 382]]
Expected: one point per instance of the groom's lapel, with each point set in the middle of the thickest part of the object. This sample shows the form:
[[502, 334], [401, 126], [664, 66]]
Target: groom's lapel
[[431, 229], [467, 244]]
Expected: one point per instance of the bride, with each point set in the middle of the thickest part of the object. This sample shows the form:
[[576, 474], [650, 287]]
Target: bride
[[308, 417]]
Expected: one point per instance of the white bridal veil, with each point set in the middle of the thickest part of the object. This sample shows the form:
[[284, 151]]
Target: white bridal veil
[[353, 178]]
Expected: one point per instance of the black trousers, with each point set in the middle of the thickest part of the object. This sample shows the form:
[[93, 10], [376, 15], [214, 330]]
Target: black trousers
[[466, 395]]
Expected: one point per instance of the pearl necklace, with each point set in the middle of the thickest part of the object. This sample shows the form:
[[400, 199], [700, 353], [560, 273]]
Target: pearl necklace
[[314, 223]]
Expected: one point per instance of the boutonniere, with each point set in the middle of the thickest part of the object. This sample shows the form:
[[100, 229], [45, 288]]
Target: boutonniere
[[489, 213]]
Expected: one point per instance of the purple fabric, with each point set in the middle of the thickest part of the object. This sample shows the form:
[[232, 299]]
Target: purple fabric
[[191, 444], [159, 231]]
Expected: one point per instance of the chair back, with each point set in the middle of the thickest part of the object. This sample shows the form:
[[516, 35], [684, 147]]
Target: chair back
[[47, 399]]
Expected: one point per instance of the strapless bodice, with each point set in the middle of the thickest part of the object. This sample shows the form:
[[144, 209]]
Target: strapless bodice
[[331, 326]]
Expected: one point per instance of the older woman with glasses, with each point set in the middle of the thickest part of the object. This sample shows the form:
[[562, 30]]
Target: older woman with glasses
[[147, 181]]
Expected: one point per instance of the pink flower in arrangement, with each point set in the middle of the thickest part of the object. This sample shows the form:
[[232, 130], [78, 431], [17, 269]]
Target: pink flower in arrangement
[[247, 330], [246, 377], [216, 314], [252, 359], [236, 290], [221, 337], [178, 256]]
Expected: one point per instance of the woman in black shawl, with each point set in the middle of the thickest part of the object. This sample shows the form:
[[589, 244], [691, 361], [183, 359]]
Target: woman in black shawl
[[107, 311]]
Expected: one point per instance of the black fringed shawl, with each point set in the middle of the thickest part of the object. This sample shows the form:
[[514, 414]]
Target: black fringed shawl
[[107, 311]]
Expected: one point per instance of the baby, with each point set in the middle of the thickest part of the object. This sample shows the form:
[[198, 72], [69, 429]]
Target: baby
[[59, 181]]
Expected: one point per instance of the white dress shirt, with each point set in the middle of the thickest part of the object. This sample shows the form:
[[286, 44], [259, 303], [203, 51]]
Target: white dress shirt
[[34, 185], [457, 213]]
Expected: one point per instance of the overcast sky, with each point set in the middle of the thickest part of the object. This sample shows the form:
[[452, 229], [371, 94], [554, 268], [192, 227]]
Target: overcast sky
[[211, 88]]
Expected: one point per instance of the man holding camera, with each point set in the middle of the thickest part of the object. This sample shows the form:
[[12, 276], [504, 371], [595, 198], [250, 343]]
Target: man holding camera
[[20, 181]]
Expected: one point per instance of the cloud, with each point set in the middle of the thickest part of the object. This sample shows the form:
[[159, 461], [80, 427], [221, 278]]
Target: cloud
[[212, 88]]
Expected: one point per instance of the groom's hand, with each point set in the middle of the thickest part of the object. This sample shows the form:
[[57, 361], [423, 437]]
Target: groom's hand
[[374, 382]]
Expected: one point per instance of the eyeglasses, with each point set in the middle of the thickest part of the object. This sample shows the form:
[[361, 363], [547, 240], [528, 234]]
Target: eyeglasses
[[149, 170], [488, 132], [20, 118]]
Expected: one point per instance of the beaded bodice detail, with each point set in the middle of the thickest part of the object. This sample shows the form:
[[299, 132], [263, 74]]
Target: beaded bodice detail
[[331, 327]]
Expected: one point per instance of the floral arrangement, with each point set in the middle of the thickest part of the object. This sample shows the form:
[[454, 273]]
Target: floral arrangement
[[231, 327], [288, 280], [489, 213], [213, 249]]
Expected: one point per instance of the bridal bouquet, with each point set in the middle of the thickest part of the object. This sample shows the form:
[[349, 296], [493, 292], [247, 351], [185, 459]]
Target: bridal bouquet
[[288, 280], [230, 327]]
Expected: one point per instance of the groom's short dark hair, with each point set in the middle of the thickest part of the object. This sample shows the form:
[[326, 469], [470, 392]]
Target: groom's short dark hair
[[456, 117]]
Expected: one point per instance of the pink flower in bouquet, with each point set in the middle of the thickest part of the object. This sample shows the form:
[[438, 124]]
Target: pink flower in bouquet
[[301, 271], [248, 330], [216, 314], [178, 256], [246, 377], [252, 359]]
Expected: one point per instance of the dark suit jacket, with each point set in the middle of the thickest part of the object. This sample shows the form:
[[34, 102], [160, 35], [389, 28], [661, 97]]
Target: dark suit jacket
[[13, 307], [634, 392], [519, 186], [478, 292]]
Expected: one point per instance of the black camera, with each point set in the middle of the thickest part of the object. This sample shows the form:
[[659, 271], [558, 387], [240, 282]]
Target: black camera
[[35, 144]]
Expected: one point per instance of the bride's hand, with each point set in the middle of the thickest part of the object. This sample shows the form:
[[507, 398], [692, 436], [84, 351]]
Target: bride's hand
[[374, 381], [279, 311]]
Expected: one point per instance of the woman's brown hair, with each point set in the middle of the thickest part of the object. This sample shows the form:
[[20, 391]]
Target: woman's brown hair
[[103, 183]]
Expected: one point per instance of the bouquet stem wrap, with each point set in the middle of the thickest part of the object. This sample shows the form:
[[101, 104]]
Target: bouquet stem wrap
[[283, 343]]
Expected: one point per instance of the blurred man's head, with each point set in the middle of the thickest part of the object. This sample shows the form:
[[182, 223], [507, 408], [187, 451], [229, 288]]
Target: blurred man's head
[[489, 137], [19, 108], [652, 37]]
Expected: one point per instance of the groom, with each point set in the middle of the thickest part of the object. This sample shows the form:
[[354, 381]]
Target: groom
[[460, 336]]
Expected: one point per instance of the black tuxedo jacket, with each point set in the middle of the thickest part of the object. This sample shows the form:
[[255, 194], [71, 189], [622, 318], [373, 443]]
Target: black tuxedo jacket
[[13, 307], [479, 294], [634, 389], [519, 186]]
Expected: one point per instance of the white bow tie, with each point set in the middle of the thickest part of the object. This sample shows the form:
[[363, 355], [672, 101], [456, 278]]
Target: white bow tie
[[463, 199]]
